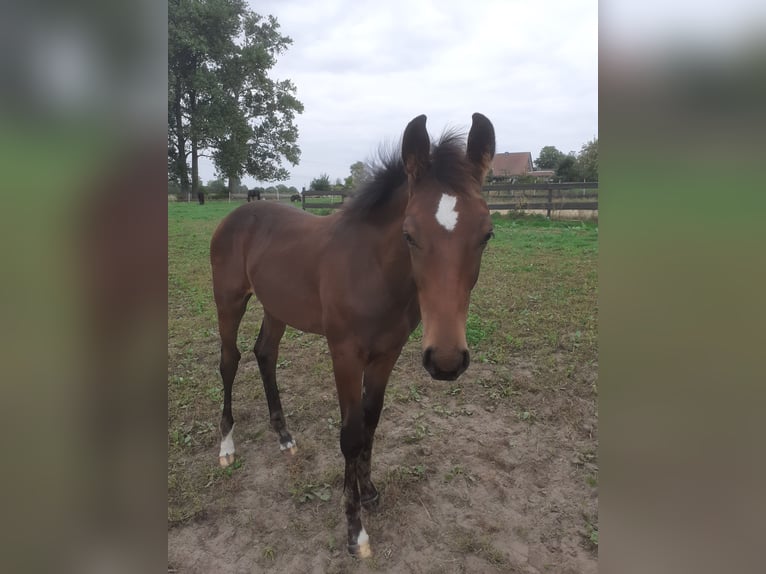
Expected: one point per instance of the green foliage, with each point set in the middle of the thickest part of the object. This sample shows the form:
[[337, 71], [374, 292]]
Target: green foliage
[[321, 183], [361, 173], [580, 167], [549, 158], [173, 188], [568, 169], [216, 187], [588, 160], [571, 167], [309, 492], [592, 534]]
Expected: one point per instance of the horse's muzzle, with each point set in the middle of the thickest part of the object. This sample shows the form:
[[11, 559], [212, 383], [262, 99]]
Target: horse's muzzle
[[445, 368]]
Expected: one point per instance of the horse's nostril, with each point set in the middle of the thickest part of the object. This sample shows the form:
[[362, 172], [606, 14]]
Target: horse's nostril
[[445, 371], [466, 359], [427, 357]]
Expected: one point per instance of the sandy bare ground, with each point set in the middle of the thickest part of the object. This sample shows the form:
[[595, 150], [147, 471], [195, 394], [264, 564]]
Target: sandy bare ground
[[486, 474]]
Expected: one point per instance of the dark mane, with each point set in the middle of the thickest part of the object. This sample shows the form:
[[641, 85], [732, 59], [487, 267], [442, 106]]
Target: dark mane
[[448, 165], [387, 175]]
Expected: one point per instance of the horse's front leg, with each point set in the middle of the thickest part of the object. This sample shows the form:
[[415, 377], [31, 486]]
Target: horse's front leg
[[376, 376], [348, 366]]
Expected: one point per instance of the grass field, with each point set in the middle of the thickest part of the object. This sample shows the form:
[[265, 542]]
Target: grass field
[[494, 472]]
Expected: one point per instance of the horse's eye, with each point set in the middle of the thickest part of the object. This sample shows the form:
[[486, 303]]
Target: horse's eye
[[408, 238], [487, 237]]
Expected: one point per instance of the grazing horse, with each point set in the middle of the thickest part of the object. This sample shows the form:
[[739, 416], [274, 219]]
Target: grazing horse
[[406, 249], [295, 197]]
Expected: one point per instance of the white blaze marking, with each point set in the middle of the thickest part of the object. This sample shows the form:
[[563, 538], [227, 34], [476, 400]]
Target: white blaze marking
[[446, 214], [227, 444]]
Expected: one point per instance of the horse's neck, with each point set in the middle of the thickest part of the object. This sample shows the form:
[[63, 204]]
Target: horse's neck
[[384, 228], [393, 252]]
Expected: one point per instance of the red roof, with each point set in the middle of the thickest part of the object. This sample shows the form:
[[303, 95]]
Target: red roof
[[508, 164]]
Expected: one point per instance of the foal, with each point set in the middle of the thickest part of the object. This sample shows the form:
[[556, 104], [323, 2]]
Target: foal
[[406, 249]]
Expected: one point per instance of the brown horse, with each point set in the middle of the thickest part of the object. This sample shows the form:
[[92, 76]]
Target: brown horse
[[407, 248]]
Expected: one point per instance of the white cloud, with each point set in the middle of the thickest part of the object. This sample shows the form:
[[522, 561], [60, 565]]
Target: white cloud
[[364, 69]]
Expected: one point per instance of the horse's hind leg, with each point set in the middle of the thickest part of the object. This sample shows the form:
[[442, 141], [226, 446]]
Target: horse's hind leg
[[266, 352], [230, 311]]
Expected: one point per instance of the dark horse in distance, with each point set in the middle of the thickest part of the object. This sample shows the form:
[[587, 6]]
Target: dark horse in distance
[[406, 249]]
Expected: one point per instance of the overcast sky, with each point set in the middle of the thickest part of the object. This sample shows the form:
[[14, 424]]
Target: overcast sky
[[364, 69]]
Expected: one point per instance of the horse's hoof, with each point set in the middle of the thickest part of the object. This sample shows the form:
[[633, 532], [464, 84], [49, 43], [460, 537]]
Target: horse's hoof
[[290, 446], [226, 460], [372, 503], [360, 550], [362, 547]]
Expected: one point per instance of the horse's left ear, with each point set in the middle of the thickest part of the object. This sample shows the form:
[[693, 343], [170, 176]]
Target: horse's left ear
[[481, 146], [416, 148]]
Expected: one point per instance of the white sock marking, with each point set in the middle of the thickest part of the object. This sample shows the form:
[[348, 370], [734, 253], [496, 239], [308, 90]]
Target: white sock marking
[[446, 214], [227, 444], [290, 444], [363, 538]]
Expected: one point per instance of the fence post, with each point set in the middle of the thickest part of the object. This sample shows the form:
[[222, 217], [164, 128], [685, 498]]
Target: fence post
[[303, 199], [550, 202]]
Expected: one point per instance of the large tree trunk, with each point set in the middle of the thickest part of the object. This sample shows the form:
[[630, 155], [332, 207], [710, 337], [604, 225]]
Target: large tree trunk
[[181, 166], [195, 165], [194, 143], [233, 179]]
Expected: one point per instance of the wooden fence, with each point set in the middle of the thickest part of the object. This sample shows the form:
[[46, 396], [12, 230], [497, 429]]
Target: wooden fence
[[331, 194], [501, 196], [542, 196]]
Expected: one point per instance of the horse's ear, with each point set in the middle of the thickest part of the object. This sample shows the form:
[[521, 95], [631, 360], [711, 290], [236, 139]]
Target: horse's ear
[[416, 147], [481, 146]]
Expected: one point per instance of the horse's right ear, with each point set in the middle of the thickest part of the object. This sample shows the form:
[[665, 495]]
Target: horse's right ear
[[416, 148]]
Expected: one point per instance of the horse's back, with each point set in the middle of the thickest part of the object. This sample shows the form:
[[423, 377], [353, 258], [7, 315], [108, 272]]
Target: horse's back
[[275, 252], [262, 221]]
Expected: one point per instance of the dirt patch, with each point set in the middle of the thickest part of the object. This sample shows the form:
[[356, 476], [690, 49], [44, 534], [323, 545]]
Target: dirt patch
[[487, 474]]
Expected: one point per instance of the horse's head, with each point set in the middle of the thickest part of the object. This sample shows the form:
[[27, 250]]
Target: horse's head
[[447, 226]]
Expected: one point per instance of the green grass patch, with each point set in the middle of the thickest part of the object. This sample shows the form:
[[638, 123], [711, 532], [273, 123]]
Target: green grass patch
[[535, 304]]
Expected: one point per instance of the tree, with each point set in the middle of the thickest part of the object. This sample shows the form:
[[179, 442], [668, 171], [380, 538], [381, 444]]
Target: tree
[[257, 114], [220, 97], [588, 160], [216, 186], [321, 183], [200, 34], [360, 174], [549, 158], [569, 169]]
